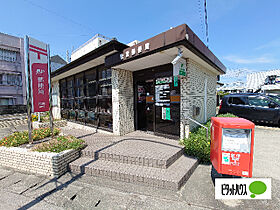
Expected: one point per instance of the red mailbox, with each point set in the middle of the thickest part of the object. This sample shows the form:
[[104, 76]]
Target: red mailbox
[[232, 144]]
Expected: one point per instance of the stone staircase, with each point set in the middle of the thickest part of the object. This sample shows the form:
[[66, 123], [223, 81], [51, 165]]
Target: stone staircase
[[137, 158]]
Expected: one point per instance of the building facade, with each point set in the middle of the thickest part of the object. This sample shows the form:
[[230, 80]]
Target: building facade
[[155, 85], [264, 81], [12, 75]]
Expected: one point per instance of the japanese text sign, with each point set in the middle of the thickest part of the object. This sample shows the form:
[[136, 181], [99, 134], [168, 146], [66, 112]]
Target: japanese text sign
[[38, 61]]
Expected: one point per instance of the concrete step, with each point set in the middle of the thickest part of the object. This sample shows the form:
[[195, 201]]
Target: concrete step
[[143, 152], [171, 178]]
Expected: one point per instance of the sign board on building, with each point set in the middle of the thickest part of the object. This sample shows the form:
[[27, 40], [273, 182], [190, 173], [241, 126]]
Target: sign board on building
[[179, 68], [38, 64]]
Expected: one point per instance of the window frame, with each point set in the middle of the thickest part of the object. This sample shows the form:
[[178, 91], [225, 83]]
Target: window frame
[[98, 76]]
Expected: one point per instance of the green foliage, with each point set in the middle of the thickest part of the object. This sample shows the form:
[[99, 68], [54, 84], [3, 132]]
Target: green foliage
[[222, 94], [197, 145], [19, 138], [226, 115], [60, 144]]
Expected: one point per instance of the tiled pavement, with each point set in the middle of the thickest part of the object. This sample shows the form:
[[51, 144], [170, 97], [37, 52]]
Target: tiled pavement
[[75, 191], [135, 158]]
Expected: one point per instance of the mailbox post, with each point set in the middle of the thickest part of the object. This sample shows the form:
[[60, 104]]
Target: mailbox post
[[232, 144]]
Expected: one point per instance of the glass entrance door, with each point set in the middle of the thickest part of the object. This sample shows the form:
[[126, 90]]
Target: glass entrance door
[[157, 100], [145, 105]]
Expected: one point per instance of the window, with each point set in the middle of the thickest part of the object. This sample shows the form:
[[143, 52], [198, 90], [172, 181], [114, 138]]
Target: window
[[237, 100], [91, 83], [7, 55], [11, 79], [258, 101], [7, 101], [87, 97]]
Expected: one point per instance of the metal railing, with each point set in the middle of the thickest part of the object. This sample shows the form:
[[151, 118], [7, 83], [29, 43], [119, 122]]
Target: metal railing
[[199, 125]]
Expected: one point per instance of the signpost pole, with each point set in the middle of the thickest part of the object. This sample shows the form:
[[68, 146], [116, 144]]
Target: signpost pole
[[27, 77], [50, 90]]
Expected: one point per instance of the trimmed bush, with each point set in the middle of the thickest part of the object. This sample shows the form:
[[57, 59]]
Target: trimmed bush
[[19, 138], [197, 145], [60, 144]]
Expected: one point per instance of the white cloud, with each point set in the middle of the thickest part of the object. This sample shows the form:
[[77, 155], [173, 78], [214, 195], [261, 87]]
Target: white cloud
[[271, 44], [242, 60]]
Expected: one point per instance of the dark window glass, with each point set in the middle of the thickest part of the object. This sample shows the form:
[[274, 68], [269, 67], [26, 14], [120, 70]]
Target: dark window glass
[[105, 87], [91, 104], [102, 74], [109, 73], [258, 101], [64, 114], [70, 82], [79, 95], [105, 105], [79, 91], [81, 115], [91, 118], [237, 100], [90, 76], [79, 80], [63, 83], [106, 121], [63, 103], [91, 89], [79, 103], [70, 92], [70, 103], [72, 114], [63, 93]]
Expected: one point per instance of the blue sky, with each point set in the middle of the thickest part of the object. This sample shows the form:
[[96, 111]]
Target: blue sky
[[243, 34]]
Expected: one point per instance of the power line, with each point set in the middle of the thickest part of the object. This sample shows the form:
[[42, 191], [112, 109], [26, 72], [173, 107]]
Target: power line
[[59, 15]]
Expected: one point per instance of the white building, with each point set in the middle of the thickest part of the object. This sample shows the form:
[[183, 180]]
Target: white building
[[90, 45], [265, 81]]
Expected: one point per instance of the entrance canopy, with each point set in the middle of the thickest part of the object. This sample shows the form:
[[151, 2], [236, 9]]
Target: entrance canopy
[[163, 48], [91, 59]]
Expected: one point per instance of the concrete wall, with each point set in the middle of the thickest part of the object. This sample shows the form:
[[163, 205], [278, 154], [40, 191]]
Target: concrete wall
[[44, 163], [123, 102], [193, 93]]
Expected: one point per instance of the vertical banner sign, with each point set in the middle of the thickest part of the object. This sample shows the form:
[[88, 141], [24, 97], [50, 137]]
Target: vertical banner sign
[[179, 68], [38, 61]]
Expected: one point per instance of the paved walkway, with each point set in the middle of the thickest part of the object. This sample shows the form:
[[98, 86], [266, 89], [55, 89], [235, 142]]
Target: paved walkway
[[27, 191]]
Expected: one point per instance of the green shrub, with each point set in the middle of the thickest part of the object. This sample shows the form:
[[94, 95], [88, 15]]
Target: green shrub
[[60, 144], [226, 115], [19, 138], [197, 145]]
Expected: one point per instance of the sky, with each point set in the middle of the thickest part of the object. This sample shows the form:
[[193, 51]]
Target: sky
[[243, 34]]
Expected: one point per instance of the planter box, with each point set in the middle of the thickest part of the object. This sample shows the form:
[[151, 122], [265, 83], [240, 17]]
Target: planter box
[[43, 163], [60, 123]]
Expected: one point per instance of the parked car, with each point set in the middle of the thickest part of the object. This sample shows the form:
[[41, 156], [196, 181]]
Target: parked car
[[275, 97], [254, 107]]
